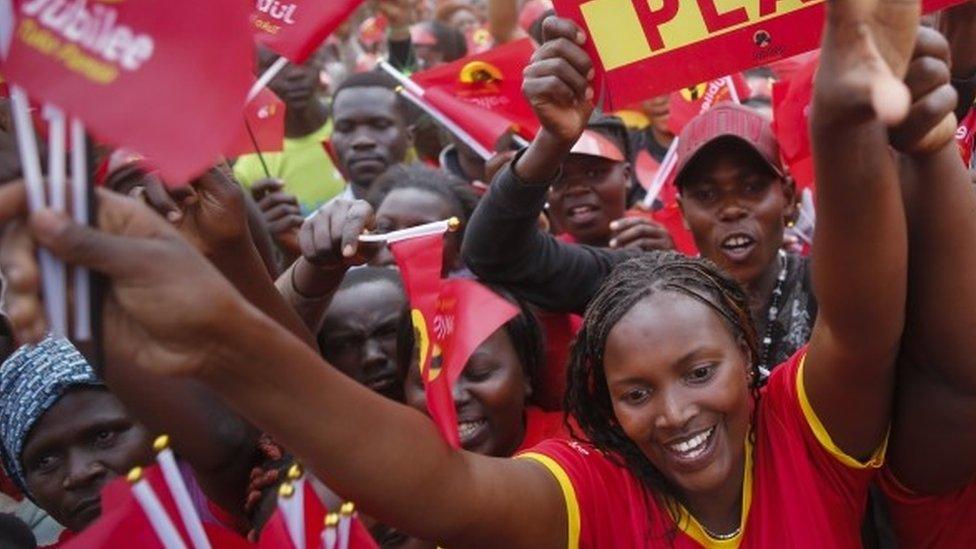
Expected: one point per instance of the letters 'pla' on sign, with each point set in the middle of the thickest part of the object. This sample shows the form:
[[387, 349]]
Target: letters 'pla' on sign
[[295, 28], [646, 48], [167, 79]]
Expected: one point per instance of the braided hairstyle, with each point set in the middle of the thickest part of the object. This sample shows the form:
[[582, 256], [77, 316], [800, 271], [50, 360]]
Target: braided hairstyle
[[587, 397]]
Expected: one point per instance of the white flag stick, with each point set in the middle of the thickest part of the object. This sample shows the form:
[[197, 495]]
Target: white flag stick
[[31, 165], [79, 208], [174, 480], [168, 535], [266, 76], [329, 535], [56, 149], [345, 524], [291, 502], [401, 78], [413, 232], [733, 93], [663, 173]]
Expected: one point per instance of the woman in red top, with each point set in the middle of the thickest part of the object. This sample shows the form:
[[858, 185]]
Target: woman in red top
[[679, 434]]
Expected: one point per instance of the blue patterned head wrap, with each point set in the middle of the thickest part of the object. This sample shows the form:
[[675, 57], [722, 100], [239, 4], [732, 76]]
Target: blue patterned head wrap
[[32, 380]]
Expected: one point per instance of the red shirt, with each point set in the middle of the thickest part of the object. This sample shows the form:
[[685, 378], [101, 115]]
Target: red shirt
[[946, 520], [800, 490], [541, 425]]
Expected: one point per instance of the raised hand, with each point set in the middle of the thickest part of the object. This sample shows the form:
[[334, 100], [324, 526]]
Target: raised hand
[[281, 212], [557, 83], [866, 51], [930, 123], [330, 238]]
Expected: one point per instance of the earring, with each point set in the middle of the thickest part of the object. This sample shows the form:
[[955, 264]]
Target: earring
[[790, 223]]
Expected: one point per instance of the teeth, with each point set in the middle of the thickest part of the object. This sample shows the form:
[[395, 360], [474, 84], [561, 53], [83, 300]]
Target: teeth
[[468, 428], [579, 210], [694, 446], [737, 241]]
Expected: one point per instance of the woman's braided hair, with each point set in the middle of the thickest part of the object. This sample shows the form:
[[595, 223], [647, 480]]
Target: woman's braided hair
[[587, 397]]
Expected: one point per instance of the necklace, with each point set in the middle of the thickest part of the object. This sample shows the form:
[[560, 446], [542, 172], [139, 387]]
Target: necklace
[[774, 305], [722, 537]]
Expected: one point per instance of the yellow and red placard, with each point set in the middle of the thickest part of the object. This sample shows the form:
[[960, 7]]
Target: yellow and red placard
[[645, 48]]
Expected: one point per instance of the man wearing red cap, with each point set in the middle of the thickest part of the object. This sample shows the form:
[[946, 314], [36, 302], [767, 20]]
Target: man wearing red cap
[[736, 199]]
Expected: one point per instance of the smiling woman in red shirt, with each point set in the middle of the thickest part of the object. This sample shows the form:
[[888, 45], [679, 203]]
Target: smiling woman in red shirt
[[681, 432]]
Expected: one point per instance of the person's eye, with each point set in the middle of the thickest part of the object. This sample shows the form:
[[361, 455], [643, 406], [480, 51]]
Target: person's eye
[[45, 464], [701, 374], [754, 187], [636, 396], [478, 373], [382, 124], [105, 437], [704, 195]]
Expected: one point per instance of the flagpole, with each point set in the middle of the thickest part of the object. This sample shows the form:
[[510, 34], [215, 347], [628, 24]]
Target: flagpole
[[34, 181], [184, 505], [257, 149], [733, 93], [291, 502], [266, 77], [345, 524], [161, 524], [663, 173], [426, 229], [414, 93], [79, 206], [329, 536], [56, 148]]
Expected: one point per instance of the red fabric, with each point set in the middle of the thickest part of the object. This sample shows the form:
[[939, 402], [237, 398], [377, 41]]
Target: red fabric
[[451, 318], [265, 115], [541, 425], [947, 520], [560, 330], [670, 216], [966, 136], [123, 523], [8, 487], [484, 126], [791, 122], [688, 103], [275, 534], [645, 168], [160, 74], [802, 496], [489, 82], [296, 27]]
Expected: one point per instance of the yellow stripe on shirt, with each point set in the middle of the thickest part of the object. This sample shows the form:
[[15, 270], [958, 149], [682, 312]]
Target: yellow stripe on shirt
[[819, 431], [569, 495]]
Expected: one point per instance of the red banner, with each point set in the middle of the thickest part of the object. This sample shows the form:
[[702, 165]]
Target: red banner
[[644, 49], [489, 85], [295, 28], [791, 123], [167, 79], [689, 102]]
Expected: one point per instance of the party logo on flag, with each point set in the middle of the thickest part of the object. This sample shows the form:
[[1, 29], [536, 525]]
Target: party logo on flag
[[294, 29], [142, 75], [689, 102]]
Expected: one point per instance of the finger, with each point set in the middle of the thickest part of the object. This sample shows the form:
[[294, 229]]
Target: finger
[[13, 201], [562, 70], [288, 223], [890, 99], [280, 211], [627, 222], [931, 43], [159, 199], [263, 186], [930, 122], [650, 244], [557, 27], [359, 217], [114, 255], [636, 232], [551, 88], [19, 266], [275, 199], [569, 52], [306, 238], [925, 74]]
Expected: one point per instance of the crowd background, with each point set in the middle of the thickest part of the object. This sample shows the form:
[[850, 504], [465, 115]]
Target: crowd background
[[556, 229]]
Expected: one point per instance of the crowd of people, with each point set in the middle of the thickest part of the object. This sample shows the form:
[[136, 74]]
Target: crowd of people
[[745, 391]]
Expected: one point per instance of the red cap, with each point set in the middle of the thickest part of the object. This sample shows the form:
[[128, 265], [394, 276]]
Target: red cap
[[732, 121], [595, 144]]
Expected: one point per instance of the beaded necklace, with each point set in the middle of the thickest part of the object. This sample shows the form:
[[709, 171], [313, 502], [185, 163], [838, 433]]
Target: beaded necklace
[[774, 306]]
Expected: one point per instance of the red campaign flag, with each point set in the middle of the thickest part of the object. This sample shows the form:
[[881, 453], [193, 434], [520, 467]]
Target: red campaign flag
[[123, 523], [489, 82], [265, 117], [275, 534], [688, 103], [670, 216], [165, 78], [295, 28], [791, 123], [484, 126], [421, 260], [467, 314]]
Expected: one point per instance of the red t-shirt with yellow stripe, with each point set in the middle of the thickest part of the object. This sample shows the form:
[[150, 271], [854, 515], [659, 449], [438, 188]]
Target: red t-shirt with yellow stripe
[[923, 521], [800, 490]]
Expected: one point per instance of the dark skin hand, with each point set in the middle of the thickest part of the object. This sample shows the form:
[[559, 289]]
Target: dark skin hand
[[282, 215], [329, 243], [937, 372]]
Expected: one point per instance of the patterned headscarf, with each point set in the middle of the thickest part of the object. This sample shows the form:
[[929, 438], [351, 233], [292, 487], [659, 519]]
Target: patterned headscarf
[[32, 380]]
